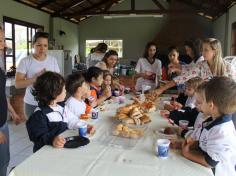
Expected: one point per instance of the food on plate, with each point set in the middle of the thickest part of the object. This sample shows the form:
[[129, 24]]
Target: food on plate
[[84, 116], [124, 131], [134, 113], [169, 131], [148, 106]]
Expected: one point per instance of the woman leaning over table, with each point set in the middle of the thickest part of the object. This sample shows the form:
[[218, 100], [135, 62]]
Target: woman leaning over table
[[33, 66], [147, 67], [213, 65], [109, 61]]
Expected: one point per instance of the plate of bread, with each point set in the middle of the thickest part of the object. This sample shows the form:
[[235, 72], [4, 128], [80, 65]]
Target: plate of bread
[[135, 114], [122, 130]]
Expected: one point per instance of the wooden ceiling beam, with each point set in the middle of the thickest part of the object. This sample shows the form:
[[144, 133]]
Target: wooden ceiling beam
[[45, 3], [159, 5], [132, 4], [95, 6], [128, 12], [67, 6], [109, 5], [199, 7]]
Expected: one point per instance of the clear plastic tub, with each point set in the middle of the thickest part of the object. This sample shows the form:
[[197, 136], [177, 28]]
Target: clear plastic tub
[[108, 138]]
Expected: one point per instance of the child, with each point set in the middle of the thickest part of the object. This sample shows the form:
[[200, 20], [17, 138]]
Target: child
[[191, 86], [51, 117], [107, 82], [94, 77], [116, 86], [217, 139], [77, 88]]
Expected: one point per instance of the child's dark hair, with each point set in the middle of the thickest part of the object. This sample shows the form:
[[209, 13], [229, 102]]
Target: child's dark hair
[[108, 54], [222, 92], [47, 87], [40, 35], [93, 72], [148, 45], [172, 48], [74, 81]]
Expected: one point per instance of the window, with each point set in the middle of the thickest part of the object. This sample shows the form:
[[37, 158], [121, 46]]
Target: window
[[18, 36], [233, 46], [116, 45]]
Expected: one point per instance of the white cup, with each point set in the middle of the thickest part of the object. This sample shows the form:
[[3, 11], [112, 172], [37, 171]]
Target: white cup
[[162, 148]]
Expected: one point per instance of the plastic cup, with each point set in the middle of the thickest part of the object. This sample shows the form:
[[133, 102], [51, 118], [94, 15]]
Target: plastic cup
[[121, 99], [83, 129], [117, 93], [127, 90], [162, 148], [183, 124], [95, 113]]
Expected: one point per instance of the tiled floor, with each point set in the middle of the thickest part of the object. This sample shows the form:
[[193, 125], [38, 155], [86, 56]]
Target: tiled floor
[[20, 145]]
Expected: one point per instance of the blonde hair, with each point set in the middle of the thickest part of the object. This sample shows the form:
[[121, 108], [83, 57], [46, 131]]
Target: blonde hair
[[218, 66], [194, 82]]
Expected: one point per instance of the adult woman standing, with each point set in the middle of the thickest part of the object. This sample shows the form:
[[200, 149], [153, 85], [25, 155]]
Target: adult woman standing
[[96, 54], [32, 66], [148, 67], [109, 61]]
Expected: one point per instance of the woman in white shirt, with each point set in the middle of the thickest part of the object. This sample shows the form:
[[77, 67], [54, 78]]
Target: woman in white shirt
[[148, 67], [33, 66]]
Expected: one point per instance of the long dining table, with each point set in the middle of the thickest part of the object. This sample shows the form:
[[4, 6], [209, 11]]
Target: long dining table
[[108, 155]]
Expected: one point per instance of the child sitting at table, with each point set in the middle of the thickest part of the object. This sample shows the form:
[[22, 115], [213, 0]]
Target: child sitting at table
[[116, 86], [217, 140], [51, 117], [78, 90], [107, 80], [94, 77]]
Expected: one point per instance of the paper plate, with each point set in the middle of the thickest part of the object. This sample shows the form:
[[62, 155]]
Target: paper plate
[[75, 141]]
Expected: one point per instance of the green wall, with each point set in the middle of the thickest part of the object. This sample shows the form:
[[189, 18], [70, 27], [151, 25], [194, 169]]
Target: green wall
[[135, 33]]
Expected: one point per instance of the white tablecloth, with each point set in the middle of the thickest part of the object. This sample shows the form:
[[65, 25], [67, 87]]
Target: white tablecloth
[[100, 159]]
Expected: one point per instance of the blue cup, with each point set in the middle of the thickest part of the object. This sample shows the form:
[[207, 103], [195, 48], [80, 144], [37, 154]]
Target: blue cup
[[162, 148], [83, 130]]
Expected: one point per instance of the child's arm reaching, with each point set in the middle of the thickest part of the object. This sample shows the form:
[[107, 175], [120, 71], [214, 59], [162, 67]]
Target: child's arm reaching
[[195, 157]]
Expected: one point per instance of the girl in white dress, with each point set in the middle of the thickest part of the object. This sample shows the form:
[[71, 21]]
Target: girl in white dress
[[148, 67]]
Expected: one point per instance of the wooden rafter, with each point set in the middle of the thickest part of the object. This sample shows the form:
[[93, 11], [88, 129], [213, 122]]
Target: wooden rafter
[[127, 12], [67, 6], [109, 5], [45, 3], [132, 4], [87, 9], [159, 5], [89, 1], [198, 7]]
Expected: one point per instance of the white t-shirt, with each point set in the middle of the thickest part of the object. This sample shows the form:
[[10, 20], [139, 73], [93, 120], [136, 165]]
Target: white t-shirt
[[190, 102], [94, 58], [142, 66], [30, 66], [218, 140], [75, 106]]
